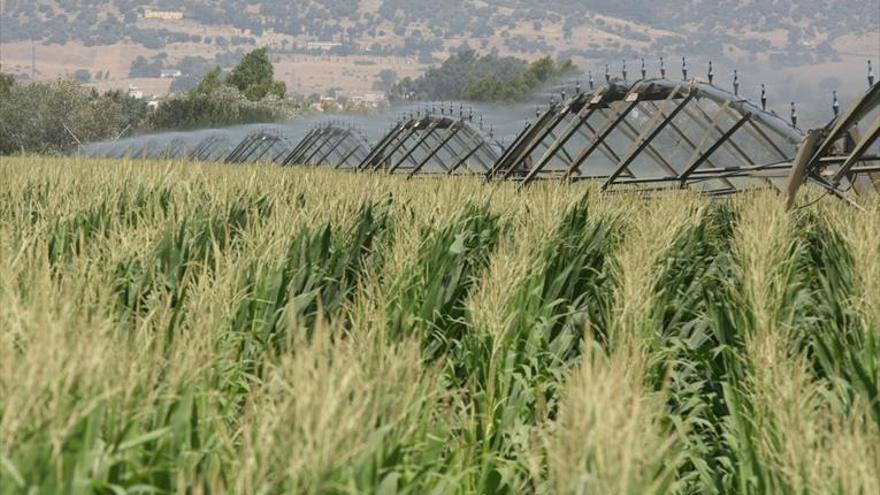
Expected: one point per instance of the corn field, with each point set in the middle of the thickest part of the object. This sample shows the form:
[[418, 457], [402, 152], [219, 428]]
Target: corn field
[[180, 328]]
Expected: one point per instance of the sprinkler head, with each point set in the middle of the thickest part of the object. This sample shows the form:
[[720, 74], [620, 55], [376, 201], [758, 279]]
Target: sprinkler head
[[735, 83]]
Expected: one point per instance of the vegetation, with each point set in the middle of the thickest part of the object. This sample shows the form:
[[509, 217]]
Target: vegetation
[[258, 329], [143, 67], [424, 28], [385, 80], [223, 106], [489, 78], [254, 77], [248, 94], [58, 116]]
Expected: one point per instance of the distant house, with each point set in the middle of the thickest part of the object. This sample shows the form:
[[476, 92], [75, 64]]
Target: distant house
[[163, 15], [322, 45], [170, 74], [373, 100], [135, 93]]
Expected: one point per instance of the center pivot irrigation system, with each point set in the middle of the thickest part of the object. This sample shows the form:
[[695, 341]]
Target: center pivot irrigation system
[[651, 134]]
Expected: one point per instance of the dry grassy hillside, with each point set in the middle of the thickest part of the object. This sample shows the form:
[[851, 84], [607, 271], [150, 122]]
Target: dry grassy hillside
[[393, 34]]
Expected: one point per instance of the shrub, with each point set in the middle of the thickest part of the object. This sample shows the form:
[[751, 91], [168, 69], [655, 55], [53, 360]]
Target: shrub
[[55, 117]]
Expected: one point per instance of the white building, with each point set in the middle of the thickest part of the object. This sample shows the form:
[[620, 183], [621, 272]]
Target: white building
[[322, 45], [370, 100], [135, 93], [163, 15]]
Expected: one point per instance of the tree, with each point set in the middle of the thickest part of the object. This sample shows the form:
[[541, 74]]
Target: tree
[[254, 77], [210, 84], [6, 83], [467, 75], [142, 67], [541, 70], [385, 80], [194, 65], [214, 102], [184, 84], [44, 117], [223, 107]]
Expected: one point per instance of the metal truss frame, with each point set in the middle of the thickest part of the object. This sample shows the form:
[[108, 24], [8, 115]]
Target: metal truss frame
[[432, 144], [652, 134], [633, 135], [338, 146]]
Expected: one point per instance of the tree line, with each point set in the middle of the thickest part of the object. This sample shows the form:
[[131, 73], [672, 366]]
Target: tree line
[[59, 116], [489, 78]]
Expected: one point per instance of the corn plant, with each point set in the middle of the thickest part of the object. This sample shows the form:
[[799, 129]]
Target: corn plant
[[699, 344], [429, 300], [825, 326], [563, 304], [185, 328]]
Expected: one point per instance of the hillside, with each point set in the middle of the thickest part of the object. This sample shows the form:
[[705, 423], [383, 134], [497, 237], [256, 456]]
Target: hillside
[[366, 37], [409, 28]]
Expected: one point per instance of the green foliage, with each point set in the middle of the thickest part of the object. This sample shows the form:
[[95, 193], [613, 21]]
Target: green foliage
[[540, 72], [247, 95], [558, 312], [430, 299], [254, 77], [466, 75], [115, 449], [143, 67], [55, 117], [318, 274], [385, 80], [193, 69], [6, 83], [225, 106], [821, 282], [181, 254], [699, 346], [210, 84], [208, 329]]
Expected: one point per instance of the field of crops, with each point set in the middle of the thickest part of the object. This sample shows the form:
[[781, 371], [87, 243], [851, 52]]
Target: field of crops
[[204, 329]]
